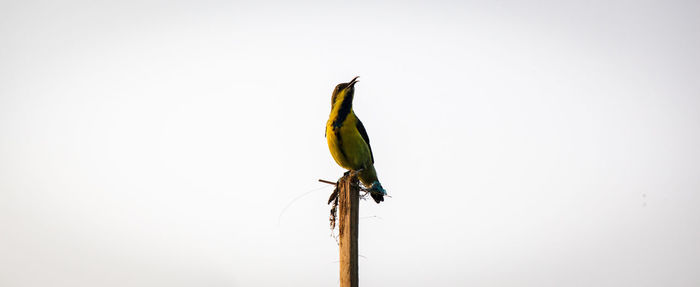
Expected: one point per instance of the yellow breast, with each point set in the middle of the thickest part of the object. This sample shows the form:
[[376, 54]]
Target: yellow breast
[[346, 144]]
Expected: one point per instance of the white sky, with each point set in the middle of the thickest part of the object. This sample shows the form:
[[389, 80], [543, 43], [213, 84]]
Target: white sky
[[523, 144]]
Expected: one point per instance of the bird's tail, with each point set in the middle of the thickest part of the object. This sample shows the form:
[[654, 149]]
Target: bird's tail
[[377, 192], [368, 177]]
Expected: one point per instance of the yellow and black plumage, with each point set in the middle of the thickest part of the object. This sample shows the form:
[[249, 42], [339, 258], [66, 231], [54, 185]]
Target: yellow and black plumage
[[348, 140]]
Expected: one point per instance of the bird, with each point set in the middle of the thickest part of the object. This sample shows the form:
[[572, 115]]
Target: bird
[[348, 141]]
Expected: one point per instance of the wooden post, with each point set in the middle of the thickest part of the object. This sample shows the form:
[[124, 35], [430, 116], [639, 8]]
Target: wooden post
[[349, 214]]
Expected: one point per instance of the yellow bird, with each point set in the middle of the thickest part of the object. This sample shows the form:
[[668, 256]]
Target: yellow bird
[[348, 140]]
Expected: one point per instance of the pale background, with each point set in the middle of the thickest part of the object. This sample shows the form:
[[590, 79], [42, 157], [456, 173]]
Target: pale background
[[524, 143]]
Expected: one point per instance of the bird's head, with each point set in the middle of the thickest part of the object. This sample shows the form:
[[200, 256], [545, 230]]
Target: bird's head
[[344, 91]]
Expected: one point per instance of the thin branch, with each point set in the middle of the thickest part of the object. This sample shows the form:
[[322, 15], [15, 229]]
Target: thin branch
[[328, 182]]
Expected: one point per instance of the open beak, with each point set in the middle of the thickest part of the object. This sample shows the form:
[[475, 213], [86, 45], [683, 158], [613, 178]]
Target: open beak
[[353, 81]]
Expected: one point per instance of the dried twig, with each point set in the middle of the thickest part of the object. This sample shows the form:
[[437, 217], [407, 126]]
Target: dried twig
[[328, 182]]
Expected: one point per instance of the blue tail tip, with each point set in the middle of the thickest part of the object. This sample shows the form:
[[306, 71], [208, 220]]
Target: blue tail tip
[[377, 187]]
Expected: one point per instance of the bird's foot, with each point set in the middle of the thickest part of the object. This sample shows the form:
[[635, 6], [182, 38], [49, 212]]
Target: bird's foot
[[355, 172]]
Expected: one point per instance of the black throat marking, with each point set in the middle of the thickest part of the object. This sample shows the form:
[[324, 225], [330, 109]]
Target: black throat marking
[[343, 111]]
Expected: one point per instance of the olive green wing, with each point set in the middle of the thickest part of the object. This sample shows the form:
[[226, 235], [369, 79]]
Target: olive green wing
[[363, 133]]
